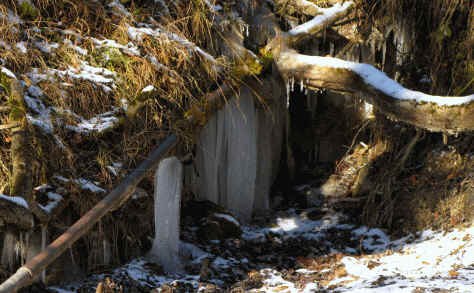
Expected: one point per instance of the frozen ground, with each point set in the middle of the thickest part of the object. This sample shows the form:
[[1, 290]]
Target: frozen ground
[[313, 251]]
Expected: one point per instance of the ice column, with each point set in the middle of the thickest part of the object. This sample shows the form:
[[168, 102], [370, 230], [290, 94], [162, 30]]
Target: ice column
[[168, 186]]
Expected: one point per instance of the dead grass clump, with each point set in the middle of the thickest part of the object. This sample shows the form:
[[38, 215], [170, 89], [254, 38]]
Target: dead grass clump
[[432, 189], [444, 190], [89, 17]]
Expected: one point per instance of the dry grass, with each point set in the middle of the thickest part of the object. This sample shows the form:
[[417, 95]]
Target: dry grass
[[180, 82], [432, 190]]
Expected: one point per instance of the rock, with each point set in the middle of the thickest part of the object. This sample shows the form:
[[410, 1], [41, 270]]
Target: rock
[[220, 226], [204, 270]]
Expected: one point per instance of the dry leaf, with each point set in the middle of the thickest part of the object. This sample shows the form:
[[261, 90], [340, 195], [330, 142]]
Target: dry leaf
[[453, 273], [279, 289]]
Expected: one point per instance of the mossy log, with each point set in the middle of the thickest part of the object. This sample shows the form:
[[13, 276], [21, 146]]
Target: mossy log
[[426, 115]]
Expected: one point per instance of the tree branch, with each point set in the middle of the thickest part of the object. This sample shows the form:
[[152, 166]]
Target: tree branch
[[434, 113], [327, 17]]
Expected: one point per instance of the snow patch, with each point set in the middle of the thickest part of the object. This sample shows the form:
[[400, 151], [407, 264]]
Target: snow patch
[[98, 123], [8, 73], [89, 185], [228, 218], [84, 183], [46, 47], [148, 88], [21, 46], [54, 201], [16, 200], [130, 48]]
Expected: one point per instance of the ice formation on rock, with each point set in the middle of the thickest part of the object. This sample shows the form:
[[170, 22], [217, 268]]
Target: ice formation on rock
[[168, 187], [239, 149]]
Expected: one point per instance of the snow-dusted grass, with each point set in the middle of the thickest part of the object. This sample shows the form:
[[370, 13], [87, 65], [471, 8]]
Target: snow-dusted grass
[[99, 123], [137, 34], [83, 183]]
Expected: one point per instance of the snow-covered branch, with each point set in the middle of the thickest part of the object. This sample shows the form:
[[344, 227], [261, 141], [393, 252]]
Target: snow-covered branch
[[326, 17], [435, 113]]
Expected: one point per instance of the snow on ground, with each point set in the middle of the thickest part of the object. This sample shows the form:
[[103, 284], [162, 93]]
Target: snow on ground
[[435, 261], [351, 259]]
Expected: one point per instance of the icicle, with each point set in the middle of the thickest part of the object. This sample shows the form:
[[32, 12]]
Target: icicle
[[246, 30], [301, 85], [104, 246], [331, 48], [27, 244], [316, 47], [384, 53], [292, 83], [373, 48], [18, 248], [168, 188], [43, 247], [287, 93], [368, 111], [21, 248], [107, 251]]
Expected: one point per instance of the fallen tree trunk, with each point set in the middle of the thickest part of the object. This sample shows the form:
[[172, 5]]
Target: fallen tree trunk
[[437, 114], [434, 113]]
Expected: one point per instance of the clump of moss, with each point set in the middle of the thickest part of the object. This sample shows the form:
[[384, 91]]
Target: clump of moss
[[266, 57], [5, 83], [110, 58], [249, 65], [28, 11]]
